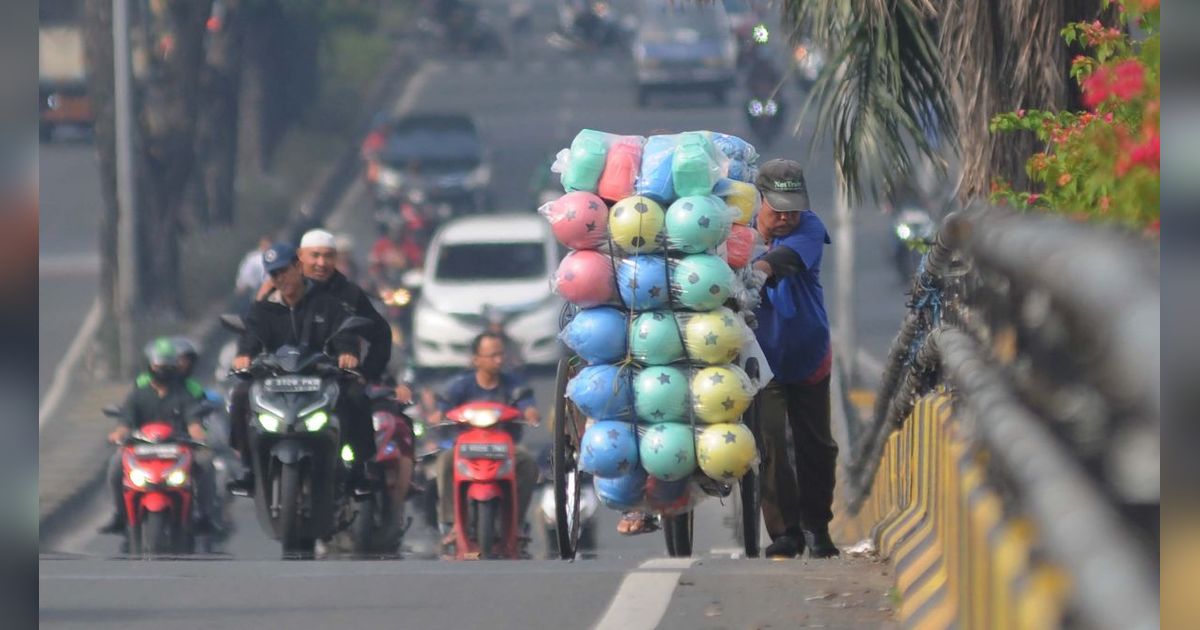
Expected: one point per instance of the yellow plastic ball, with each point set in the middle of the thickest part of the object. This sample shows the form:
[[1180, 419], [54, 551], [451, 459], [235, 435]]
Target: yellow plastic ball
[[720, 394], [636, 225], [744, 199], [726, 451], [714, 338]]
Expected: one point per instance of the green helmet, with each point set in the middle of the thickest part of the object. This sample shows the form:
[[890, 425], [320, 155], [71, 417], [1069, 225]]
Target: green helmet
[[162, 352]]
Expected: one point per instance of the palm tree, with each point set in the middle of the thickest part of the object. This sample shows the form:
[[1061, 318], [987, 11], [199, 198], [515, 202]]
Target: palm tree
[[905, 74]]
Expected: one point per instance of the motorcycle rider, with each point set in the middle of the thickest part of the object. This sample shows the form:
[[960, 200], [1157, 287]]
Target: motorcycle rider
[[296, 313], [487, 382], [164, 398]]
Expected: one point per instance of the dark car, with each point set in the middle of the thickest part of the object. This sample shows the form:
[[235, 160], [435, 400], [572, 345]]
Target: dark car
[[684, 46], [441, 155]]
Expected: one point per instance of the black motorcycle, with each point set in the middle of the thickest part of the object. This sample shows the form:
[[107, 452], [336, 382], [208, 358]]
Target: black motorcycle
[[301, 470], [765, 110]]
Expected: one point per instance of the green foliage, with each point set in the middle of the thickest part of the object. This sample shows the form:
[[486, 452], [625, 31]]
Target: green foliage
[[1102, 163]]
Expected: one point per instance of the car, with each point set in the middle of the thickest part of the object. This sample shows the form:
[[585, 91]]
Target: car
[[500, 262], [684, 46], [440, 154]]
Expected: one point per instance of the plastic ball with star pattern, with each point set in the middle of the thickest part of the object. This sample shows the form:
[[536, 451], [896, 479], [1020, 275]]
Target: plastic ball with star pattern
[[702, 282], [697, 224], [636, 225], [602, 392], [726, 451], [668, 451], [660, 394], [579, 220], [720, 393], [585, 278], [714, 338], [642, 282], [597, 335], [609, 449], [654, 338], [626, 492]]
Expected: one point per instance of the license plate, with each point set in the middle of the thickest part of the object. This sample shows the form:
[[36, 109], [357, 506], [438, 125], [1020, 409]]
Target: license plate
[[292, 384], [483, 451], [156, 450]]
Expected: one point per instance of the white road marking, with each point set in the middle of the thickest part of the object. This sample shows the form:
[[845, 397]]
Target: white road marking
[[644, 595], [62, 373], [69, 265]]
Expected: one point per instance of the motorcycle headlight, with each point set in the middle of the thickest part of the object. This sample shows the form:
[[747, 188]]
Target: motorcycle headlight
[[399, 297], [755, 108], [177, 478], [347, 454], [481, 418], [269, 422], [316, 420], [138, 477], [904, 231], [418, 429], [760, 34]]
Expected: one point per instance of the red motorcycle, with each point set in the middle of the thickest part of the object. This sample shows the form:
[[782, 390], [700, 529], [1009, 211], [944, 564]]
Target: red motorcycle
[[379, 523], [486, 523], [157, 463]]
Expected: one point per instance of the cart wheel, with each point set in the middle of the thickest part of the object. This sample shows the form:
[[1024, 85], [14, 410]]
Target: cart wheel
[[750, 491], [568, 431], [678, 531]]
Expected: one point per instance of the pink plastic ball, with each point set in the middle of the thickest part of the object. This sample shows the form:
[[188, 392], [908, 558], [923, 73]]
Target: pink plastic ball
[[579, 220], [585, 278], [740, 246]]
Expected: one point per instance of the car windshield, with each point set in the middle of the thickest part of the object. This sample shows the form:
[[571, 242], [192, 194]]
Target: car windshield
[[491, 261], [432, 144], [663, 21]]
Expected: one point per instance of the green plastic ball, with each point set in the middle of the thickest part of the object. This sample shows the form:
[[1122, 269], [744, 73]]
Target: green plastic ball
[[701, 282], [697, 224], [661, 394], [654, 338], [668, 451]]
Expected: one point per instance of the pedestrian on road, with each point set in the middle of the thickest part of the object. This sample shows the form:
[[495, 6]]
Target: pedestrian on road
[[793, 330]]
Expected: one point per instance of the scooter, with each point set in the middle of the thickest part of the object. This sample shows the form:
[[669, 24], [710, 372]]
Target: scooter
[[379, 524], [588, 506], [158, 490], [301, 470], [486, 523]]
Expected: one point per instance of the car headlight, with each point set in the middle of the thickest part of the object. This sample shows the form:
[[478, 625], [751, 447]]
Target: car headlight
[[755, 108], [397, 297], [390, 179], [138, 477], [177, 478], [269, 422], [316, 420]]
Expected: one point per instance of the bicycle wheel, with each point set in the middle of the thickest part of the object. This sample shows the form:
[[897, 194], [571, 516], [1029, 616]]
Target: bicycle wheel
[[678, 531], [568, 430]]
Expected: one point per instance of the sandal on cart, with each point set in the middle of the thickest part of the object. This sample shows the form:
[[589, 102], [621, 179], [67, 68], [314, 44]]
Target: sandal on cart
[[634, 523]]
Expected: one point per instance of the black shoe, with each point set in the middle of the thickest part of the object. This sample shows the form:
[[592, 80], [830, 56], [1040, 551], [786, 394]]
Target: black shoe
[[115, 525], [786, 546], [241, 486], [819, 544], [364, 482]]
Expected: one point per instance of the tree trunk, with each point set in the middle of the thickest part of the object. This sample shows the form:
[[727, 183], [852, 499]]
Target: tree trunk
[[97, 34], [217, 127], [167, 118]]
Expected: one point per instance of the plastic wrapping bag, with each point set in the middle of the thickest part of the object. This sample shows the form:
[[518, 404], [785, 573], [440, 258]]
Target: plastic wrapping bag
[[578, 219], [726, 451], [585, 278], [743, 246], [701, 282], [585, 161], [597, 335], [696, 165], [746, 290], [721, 393], [697, 224], [654, 179], [609, 449], [636, 225], [668, 451], [621, 168], [743, 198], [603, 392], [703, 338], [743, 158]]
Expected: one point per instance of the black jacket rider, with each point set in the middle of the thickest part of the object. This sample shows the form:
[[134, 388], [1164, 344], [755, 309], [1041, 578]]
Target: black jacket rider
[[271, 324], [378, 336]]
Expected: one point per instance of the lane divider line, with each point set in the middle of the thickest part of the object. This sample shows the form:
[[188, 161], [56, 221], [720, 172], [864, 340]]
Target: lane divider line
[[62, 373], [644, 595]]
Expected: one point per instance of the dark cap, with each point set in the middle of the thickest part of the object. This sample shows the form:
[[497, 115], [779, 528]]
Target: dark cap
[[782, 184], [278, 256]]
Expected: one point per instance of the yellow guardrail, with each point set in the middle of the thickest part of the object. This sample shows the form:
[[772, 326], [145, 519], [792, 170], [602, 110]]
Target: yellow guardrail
[[960, 560]]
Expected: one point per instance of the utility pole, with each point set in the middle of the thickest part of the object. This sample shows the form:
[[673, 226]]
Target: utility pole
[[844, 321], [127, 208]]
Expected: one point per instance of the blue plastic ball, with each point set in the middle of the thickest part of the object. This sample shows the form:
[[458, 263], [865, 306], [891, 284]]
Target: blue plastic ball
[[642, 281], [622, 493], [609, 449], [603, 392], [597, 335]]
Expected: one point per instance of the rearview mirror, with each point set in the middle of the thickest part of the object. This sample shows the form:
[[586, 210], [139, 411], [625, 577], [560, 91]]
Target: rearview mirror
[[233, 323], [112, 411]]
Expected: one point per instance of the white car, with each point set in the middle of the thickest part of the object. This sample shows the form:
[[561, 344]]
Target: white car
[[504, 262]]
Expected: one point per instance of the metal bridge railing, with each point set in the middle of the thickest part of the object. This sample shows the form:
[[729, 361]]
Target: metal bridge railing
[[1010, 468]]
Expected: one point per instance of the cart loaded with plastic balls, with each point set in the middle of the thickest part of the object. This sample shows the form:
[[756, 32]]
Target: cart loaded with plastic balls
[[655, 400]]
